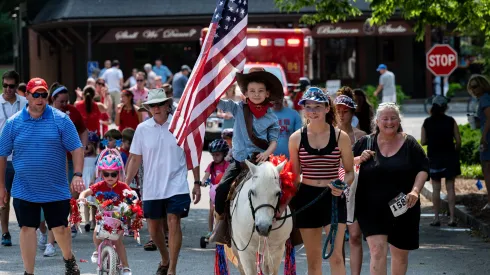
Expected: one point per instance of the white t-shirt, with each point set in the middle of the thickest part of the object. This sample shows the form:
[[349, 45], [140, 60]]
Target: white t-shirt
[[7, 110], [164, 161], [388, 81], [113, 78]]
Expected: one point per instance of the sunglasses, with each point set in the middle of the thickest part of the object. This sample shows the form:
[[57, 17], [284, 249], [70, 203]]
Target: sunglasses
[[157, 104], [111, 174], [11, 86], [471, 87], [140, 80], [38, 95]]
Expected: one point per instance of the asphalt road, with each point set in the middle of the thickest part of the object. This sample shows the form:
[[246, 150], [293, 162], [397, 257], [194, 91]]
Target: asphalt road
[[442, 250]]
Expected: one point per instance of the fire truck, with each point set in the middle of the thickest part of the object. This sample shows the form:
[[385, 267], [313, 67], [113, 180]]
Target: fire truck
[[289, 48], [286, 53]]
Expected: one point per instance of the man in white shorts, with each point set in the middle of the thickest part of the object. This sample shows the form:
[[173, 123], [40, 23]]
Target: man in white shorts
[[166, 191], [387, 84]]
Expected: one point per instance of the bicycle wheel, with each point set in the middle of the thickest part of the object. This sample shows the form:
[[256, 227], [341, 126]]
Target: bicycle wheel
[[109, 261]]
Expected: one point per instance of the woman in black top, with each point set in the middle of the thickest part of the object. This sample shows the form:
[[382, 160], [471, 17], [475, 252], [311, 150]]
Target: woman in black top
[[439, 132], [391, 176]]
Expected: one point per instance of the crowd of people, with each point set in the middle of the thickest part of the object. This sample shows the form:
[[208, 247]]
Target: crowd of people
[[325, 137]]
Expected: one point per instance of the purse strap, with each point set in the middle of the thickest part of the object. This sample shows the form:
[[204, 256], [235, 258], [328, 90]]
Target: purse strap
[[261, 143]]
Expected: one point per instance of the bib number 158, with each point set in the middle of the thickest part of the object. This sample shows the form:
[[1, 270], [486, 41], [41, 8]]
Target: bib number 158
[[398, 205]]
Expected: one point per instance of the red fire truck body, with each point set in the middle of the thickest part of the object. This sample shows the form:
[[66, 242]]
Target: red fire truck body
[[288, 47]]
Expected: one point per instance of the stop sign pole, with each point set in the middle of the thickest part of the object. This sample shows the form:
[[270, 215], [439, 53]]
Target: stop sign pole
[[441, 61]]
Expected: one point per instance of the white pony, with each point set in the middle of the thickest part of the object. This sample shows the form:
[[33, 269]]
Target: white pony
[[252, 220]]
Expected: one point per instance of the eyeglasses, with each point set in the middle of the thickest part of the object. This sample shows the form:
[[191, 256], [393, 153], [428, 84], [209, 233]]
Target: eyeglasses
[[100, 83], [11, 86], [140, 80], [112, 174], [157, 104], [38, 95]]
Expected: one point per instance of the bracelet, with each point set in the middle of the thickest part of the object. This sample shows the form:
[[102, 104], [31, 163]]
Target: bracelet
[[198, 182]]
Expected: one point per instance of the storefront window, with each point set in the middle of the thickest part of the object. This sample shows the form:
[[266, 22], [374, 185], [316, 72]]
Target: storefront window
[[340, 58]]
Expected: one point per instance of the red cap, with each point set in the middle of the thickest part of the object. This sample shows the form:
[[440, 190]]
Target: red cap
[[36, 84]]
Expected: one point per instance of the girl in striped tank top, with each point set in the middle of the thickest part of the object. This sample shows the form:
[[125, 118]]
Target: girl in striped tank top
[[316, 151]]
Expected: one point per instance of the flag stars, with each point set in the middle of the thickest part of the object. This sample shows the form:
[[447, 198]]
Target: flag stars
[[228, 19], [242, 12], [231, 9], [216, 35], [221, 3], [226, 27], [234, 19], [245, 2]]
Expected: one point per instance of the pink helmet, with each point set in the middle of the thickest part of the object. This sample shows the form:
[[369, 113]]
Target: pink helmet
[[110, 159], [110, 162]]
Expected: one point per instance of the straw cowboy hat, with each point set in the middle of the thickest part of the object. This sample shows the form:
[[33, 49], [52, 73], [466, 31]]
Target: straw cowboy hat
[[272, 83]]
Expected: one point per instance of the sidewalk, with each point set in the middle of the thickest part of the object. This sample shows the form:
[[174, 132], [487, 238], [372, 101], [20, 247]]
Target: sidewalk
[[443, 250]]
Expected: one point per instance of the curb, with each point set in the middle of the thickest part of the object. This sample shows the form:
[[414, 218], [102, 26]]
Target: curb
[[460, 212]]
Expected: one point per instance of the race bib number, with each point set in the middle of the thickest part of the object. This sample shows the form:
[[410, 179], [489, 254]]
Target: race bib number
[[398, 205]]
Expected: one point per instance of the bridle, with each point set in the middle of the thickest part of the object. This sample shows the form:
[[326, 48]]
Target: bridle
[[254, 210]]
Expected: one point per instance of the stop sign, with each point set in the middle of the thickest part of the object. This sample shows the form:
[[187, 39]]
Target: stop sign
[[441, 60]]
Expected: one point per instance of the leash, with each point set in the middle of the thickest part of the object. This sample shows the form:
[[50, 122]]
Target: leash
[[294, 213], [334, 224]]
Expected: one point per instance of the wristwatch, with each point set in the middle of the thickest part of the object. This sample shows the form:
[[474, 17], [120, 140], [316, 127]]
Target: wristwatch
[[77, 174], [198, 182]]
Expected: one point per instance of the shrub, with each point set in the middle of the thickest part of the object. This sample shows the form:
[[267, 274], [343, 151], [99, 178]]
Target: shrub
[[471, 171], [470, 145], [454, 88], [370, 89]]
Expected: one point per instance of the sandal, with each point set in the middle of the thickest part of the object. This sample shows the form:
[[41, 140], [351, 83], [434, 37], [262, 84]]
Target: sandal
[[162, 269], [452, 224], [150, 246], [435, 223]]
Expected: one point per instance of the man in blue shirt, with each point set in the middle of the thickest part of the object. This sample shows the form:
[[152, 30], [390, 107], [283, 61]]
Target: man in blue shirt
[[179, 82], [289, 122], [163, 71], [39, 137]]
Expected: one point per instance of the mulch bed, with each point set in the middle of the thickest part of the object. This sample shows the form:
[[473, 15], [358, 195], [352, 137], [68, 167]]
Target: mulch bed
[[468, 195]]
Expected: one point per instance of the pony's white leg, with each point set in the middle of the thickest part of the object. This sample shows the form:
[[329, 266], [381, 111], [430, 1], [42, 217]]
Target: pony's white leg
[[274, 263], [247, 260]]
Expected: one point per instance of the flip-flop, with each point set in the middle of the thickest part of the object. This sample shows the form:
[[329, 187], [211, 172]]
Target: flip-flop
[[150, 246], [438, 223]]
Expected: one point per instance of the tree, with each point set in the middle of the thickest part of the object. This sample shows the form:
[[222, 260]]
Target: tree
[[467, 16]]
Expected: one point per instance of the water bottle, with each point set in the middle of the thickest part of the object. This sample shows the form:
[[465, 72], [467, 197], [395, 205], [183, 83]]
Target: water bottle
[[479, 185]]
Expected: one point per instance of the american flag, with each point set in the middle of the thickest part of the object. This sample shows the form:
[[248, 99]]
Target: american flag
[[222, 55]]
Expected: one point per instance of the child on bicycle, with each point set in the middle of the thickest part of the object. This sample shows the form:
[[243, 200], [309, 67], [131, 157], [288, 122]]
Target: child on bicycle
[[218, 149], [112, 169]]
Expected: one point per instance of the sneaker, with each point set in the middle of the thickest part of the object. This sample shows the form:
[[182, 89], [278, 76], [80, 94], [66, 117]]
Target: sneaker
[[73, 232], [42, 240], [126, 271], [50, 250], [95, 257], [6, 239], [87, 228], [71, 267]]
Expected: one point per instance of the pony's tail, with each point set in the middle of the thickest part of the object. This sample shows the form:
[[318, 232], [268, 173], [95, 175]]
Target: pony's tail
[[220, 262], [290, 260]]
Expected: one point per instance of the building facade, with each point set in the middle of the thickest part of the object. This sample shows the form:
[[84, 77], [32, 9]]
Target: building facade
[[55, 39]]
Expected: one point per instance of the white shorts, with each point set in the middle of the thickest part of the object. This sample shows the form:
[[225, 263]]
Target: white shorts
[[389, 98]]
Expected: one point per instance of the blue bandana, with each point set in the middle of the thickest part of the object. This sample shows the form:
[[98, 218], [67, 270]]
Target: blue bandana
[[314, 94]]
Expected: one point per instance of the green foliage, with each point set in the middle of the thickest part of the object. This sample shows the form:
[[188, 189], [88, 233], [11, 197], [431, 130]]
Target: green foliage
[[468, 16], [470, 145], [6, 47], [472, 171], [370, 89], [454, 88]]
